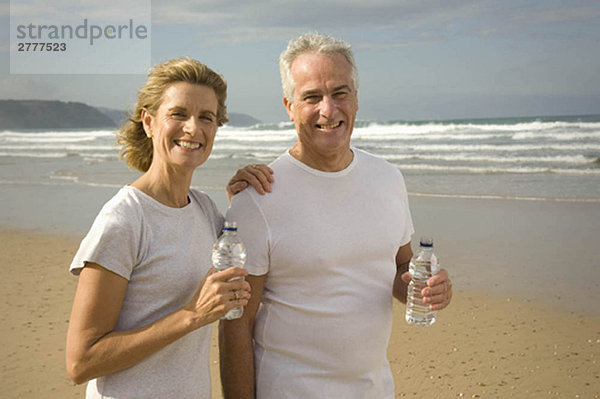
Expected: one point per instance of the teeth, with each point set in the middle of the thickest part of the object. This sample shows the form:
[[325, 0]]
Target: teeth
[[333, 125], [187, 144]]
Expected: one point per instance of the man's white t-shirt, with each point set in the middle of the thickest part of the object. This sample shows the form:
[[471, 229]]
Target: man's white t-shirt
[[164, 253], [327, 243]]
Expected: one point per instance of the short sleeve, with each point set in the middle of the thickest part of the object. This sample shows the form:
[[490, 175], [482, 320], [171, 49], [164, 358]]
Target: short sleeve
[[252, 230], [210, 208], [113, 242], [409, 229]]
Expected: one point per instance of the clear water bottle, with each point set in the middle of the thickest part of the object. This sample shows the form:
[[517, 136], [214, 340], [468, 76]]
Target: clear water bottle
[[228, 252], [423, 265]]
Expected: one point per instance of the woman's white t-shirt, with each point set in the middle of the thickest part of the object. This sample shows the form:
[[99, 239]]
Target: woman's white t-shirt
[[164, 253]]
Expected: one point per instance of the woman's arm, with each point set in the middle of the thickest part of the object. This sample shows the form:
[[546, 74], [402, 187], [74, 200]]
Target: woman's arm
[[94, 349]]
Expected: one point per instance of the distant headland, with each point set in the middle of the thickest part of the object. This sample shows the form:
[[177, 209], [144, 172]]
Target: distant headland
[[53, 114], [40, 114]]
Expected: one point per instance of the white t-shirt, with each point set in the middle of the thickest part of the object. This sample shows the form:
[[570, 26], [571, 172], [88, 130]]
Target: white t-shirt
[[327, 243], [164, 253]]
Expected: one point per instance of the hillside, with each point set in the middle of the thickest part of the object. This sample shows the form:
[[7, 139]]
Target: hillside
[[237, 119], [39, 114]]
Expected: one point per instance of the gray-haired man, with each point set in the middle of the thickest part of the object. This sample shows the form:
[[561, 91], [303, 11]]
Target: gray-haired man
[[328, 249]]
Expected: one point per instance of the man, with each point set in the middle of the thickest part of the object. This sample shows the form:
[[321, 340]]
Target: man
[[327, 249]]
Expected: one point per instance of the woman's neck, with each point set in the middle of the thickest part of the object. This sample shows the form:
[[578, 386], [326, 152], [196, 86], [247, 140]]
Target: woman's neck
[[167, 187]]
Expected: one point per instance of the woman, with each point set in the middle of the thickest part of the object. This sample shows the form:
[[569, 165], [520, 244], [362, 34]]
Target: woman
[[146, 296]]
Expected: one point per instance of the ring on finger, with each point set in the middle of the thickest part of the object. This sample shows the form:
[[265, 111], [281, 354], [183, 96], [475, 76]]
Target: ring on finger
[[235, 294]]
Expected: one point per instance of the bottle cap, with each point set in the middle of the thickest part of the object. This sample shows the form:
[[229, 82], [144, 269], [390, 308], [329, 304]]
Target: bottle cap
[[426, 242], [230, 226]]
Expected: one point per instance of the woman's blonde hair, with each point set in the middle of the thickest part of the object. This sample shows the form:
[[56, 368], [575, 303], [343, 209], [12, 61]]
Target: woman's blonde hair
[[136, 147]]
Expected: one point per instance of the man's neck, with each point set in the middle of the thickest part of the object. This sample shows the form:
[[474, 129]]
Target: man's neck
[[331, 162]]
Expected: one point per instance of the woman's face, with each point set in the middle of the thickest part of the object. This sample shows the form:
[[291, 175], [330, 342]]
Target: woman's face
[[183, 128]]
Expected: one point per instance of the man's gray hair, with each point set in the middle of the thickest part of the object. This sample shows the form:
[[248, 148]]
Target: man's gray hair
[[312, 42]]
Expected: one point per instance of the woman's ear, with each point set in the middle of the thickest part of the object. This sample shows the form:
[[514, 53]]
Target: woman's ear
[[147, 122]]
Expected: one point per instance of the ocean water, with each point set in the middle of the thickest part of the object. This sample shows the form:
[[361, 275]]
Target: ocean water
[[549, 158]]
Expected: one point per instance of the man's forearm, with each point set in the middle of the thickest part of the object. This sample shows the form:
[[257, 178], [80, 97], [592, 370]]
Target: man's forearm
[[403, 257], [400, 287], [236, 354]]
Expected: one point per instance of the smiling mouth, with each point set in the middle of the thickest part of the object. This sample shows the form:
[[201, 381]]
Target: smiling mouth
[[187, 144], [330, 126]]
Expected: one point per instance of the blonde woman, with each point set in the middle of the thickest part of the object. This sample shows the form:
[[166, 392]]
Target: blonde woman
[[146, 295]]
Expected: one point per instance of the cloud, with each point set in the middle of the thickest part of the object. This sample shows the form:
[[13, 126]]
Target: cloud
[[262, 20], [69, 11], [388, 23], [537, 19], [541, 15], [22, 87], [406, 21]]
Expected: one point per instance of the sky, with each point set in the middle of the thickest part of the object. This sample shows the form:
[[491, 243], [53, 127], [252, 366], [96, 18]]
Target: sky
[[417, 59]]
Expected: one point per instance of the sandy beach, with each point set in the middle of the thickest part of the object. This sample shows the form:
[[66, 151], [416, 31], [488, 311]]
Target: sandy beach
[[524, 322]]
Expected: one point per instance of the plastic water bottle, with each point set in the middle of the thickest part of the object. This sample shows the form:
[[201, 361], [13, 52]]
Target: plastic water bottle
[[423, 265], [229, 251]]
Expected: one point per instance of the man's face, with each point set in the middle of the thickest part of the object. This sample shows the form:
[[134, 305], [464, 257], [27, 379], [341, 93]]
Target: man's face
[[324, 105]]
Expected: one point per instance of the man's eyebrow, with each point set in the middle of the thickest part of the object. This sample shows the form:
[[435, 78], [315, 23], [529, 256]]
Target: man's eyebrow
[[311, 92], [342, 87], [318, 92]]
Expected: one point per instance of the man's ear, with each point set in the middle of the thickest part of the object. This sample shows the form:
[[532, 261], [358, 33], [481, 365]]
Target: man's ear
[[288, 107], [147, 122]]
